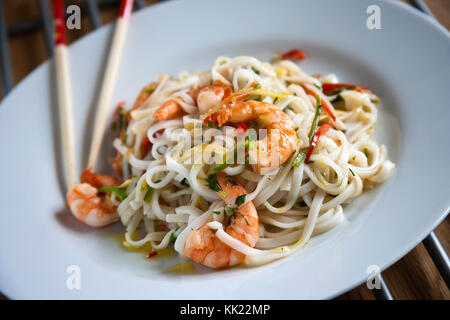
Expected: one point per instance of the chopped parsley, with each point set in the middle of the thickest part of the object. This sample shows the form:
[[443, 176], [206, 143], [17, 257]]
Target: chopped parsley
[[233, 215], [214, 183], [240, 200]]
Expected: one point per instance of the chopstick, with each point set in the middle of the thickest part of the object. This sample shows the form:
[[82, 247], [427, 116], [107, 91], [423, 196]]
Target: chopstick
[[109, 80], [64, 93]]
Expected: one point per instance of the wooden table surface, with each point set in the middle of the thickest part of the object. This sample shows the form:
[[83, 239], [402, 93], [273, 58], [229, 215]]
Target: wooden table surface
[[413, 277]]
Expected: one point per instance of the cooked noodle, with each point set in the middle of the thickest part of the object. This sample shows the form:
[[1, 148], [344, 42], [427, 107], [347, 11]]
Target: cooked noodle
[[167, 185]]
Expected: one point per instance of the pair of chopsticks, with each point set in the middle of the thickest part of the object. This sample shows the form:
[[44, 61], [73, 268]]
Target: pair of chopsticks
[[64, 87]]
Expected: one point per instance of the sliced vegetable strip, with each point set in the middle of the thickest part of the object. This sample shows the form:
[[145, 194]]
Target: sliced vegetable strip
[[301, 156], [310, 89], [321, 131], [294, 54], [121, 193], [330, 88]]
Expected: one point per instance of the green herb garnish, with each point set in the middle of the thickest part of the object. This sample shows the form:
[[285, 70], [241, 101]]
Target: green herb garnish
[[316, 119], [219, 168], [255, 70], [275, 100], [240, 200], [257, 86], [214, 183], [149, 91], [300, 158], [184, 182], [217, 212], [352, 172], [366, 152], [121, 193], [148, 194], [173, 237]]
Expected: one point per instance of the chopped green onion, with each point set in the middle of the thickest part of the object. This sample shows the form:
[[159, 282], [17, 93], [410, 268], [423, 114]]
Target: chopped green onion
[[148, 194], [366, 152], [300, 158], [219, 168], [255, 70], [316, 119], [121, 193], [149, 91], [223, 194], [173, 237], [317, 86]]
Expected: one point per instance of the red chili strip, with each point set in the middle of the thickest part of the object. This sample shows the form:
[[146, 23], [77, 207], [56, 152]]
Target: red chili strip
[[325, 103], [212, 117], [294, 54], [328, 87], [242, 128], [321, 131], [152, 254]]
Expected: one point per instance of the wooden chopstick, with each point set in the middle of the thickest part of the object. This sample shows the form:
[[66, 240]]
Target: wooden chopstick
[[109, 80], [62, 70]]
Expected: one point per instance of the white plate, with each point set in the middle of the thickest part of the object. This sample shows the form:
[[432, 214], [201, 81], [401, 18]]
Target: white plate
[[406, 63]]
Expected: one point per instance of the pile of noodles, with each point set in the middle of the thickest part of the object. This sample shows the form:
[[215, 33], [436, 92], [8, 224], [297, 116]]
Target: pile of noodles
[[168, 194]]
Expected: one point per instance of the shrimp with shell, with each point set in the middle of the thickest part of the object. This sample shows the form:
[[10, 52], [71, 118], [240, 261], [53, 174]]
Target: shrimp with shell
[[90, 207], [281, 139], [205, 248]]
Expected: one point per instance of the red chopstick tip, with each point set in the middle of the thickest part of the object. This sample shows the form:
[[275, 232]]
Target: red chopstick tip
[[58, 22], [126, 7]]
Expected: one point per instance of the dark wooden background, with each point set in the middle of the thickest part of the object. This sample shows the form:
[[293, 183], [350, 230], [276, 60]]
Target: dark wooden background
[[412, 277]]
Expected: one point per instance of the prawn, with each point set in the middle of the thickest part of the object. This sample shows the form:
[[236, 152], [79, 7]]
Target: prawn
[[172, 109], [144, 94], [89, 207], [212, 95], [204, 247], [281, 139], [205, 97]]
